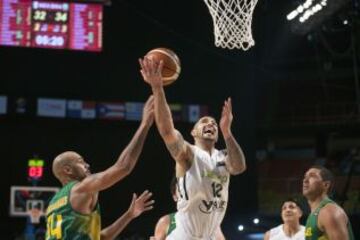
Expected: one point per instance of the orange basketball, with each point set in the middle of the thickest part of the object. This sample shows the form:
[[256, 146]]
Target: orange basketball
[[172, 66]]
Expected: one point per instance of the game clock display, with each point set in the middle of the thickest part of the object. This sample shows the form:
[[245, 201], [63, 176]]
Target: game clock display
[[50, 24]]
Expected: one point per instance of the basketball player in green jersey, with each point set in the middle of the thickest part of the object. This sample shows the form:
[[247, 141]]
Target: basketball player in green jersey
[[167, 223], [327, 220], [73, 213]]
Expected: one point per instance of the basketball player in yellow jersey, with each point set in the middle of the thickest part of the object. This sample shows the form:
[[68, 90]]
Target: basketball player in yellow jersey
[[203, 171], [73, 213], [327, 220]]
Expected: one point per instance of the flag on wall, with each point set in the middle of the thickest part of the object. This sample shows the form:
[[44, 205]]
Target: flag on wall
[[3, 104], [21, 105], [176, 110], [48, 107], [81, 109], [134, 111], [195, 112], [110, 111]]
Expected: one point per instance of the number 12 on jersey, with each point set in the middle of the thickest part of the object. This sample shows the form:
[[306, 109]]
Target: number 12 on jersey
[[216, 187]]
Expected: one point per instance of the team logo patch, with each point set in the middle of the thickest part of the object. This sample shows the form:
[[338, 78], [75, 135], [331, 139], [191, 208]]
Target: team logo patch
[[214, 176], [308, 232], [208, 207]]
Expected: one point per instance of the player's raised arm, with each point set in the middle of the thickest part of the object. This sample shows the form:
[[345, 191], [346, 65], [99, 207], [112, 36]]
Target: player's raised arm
[[179, 149], [127, 159], [235, 161]]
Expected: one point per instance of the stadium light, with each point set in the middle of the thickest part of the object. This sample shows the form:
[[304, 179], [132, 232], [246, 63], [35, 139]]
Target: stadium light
[[306, 10], [312, 13]]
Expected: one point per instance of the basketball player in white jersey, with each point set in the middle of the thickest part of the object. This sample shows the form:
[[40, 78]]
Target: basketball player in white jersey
[[167, 223], [291, 229], [203, 171]]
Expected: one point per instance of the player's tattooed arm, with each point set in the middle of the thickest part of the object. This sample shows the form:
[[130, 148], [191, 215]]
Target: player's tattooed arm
[[181, 151], [235, 160], [177, 146]]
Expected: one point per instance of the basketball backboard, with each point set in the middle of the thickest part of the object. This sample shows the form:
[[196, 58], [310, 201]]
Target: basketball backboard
[[25, 198]]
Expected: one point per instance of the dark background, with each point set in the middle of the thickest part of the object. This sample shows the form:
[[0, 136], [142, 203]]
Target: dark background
[[284, 74]]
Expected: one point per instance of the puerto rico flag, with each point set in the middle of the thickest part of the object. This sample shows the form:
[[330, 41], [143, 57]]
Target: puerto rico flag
[[111, 111]]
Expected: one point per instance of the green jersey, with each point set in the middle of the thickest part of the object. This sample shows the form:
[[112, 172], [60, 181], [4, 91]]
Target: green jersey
[[64, 223], [172, 224], [312, 231]]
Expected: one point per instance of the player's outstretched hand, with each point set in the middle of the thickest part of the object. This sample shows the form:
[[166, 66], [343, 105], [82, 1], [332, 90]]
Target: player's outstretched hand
[[226, 118], [151, 71], [140, 204]]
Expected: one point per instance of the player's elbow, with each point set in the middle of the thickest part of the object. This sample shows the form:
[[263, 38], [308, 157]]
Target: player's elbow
[[168, 135], [125, 168], [165, 132], [104, 235], [238, 169]]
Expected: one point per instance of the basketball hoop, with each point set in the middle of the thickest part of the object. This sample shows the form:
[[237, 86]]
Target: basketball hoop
[[232, 22], [35, 215]]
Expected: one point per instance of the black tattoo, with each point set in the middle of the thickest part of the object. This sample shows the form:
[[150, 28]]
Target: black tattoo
[[235, 155], [176, 147]]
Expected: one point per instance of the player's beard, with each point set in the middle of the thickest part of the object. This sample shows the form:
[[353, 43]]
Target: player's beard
[[79, 174]]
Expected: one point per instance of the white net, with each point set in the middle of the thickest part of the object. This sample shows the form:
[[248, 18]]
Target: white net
[[232, 22]]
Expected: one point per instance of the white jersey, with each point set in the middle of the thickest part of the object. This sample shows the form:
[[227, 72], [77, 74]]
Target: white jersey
[[203, 197], [278, 233]]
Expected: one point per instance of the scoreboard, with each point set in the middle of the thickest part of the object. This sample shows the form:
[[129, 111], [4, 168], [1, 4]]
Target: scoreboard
[[50, 24]]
